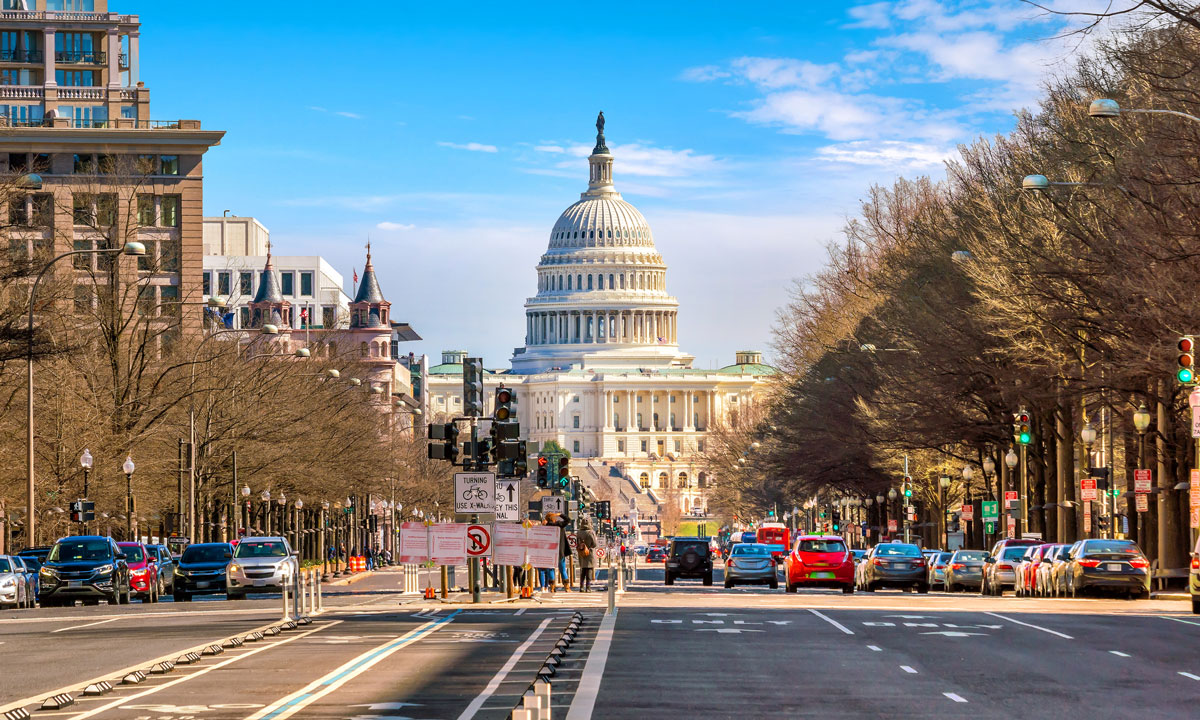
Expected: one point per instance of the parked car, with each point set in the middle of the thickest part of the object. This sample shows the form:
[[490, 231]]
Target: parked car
[[819, 561], [14, 586], [260, 565], [1116, 565], [143, 571], [36, 554], [937, 567], [1059, 569], [201, 570], [31, 568], [964, 570], [90, 568], [1043, 575], [999, 568], [1026, 569], [166, 568], [896, 565], [688, 557], [751, 563]]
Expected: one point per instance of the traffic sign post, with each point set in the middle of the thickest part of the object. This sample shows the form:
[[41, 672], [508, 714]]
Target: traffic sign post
[[1087, 489], [990, 511], [475, 492], [508, 500], [479, 541], [554, 504]]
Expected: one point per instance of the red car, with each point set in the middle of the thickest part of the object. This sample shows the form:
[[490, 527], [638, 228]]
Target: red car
[[1027, 570], [143, 571], [820, 561]]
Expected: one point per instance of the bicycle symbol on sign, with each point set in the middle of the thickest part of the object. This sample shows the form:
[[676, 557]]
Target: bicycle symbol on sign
[[475, 494]]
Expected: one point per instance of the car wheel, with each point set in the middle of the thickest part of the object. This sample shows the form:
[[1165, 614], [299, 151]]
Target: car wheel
[[923, 589], [728, 583], [998, 591], [951, 588], [1195, 605], [847, 589], [113, 599], [870, 587], [774, 584], [669, 580], [708, 578], [792, 588], [235, 596]]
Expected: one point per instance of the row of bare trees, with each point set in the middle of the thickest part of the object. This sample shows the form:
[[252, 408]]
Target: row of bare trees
[[951, 304]]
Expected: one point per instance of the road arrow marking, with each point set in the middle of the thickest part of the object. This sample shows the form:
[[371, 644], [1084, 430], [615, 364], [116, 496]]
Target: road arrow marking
[[952, 633], [913, 617], [726, 630], [388, 705]]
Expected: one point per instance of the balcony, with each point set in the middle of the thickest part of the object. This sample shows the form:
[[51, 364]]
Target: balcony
[[69, 16], [81, 57], [21, 92], [80, 93], [21, 56]]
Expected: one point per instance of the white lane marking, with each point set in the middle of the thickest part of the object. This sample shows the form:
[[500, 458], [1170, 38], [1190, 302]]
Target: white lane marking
[[204, 671], [274, 610], [1118, 653], [832, 622], [1189, 675], [295, 702], [492, 686], [76, 627], [1035, 627], [876, 648], [584, 701], [521, 611], [955, 697], [908, 670], [1185, 622]]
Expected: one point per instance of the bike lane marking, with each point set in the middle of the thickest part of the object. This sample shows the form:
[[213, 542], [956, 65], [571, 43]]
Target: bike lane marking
[[317, 689], [492, 686], [1030, 625], [831, 621]]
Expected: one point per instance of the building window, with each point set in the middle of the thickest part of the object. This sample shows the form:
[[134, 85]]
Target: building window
[[328, 316], [145, 211], [83, 299], [306, 284], [169, 301], [207, 282], [287, 283], [678, 446], [702, 480], [170, 210], [245, 316], [575, 447], [700, 448], [663, 481], [575, 421], [170, 164], [589, 282], [644, 479], [616, 420], [682, 481], [672, 398], [148, 261], [656, 426], [673, 422], [621, 446], [246, 283], [146, 300], [223, 283], [639, 424], [147, 164], [644, 447], [168, 256]]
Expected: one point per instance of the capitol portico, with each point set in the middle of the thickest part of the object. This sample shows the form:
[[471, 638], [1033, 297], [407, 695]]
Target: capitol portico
[[601, 372]]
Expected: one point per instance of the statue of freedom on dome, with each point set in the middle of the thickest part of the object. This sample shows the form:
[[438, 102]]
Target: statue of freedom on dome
[[600, 123], [600, 146]]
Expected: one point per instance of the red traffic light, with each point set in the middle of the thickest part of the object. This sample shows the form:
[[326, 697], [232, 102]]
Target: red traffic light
[[504, 395], [1186, 344], [1023, 418], [543, 462]]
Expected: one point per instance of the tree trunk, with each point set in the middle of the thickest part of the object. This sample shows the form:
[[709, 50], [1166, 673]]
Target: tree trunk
[[1128, 508], [1169, 556], [1050, 477]]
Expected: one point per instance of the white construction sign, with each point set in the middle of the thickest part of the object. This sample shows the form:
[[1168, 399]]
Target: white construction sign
[[508, 544], [475, 493]]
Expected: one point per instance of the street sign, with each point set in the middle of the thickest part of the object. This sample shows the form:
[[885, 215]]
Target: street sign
[[967, 512], [1010, 495], [1143, 502], [508, 500], [554, 504], [1087, 517], [1196, 421], [1194, 488], [479, 541], [572, 540], [892, 526], [1087, 489], [989, 527], [991, 511], [1012, 526], [475, 492], [1141, 481], [599, 552]]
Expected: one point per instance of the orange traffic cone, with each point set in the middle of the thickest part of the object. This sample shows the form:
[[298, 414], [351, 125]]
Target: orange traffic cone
[[429, 593]]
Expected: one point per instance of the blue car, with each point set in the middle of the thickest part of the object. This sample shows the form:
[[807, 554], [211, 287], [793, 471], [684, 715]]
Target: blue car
[[201, 570]]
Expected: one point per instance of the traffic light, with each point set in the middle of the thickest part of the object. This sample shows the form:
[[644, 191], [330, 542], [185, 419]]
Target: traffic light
[[448, 448], [505, 430], [521, 462], [473, 387], [1022, 434], [543, 477], [564, 472], [1186, 373], [907, 486], [603, 510], [837, 520]]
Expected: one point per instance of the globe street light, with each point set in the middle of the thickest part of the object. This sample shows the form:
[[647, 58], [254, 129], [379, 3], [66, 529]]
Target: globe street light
[[1107, 108], [1010, 459], [130, 249], [128, 467], [85, 461]]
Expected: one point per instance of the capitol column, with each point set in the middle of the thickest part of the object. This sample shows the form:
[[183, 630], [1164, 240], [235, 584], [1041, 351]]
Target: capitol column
[[608, 403], [629, 416], [688, 425]]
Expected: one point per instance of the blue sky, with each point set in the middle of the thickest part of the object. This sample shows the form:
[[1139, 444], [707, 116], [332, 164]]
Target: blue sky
[[454, 134]]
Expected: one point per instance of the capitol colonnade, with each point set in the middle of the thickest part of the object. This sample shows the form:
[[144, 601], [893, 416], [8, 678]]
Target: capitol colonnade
[[576, 326]]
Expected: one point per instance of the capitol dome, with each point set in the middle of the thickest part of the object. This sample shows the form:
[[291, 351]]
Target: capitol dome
[[602, 299]]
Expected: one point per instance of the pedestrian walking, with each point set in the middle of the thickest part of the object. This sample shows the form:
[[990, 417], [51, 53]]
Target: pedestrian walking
[[370, 558], [546, 575], [585, 542], [564, 548]]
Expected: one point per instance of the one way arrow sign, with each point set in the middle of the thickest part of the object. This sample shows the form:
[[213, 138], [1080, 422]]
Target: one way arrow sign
[[508, 500]]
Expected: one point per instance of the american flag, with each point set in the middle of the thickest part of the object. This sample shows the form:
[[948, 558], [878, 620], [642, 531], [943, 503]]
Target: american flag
[[303, 313], [356, 275]]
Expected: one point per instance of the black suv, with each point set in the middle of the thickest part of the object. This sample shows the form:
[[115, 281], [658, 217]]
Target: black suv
[[689, 557], [201, 570], [84, 567]]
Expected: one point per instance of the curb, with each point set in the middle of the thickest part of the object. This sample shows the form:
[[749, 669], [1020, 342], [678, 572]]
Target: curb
[[1170, 596], [352, 579]]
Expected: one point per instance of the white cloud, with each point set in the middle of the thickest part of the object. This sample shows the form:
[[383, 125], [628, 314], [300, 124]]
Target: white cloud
[[388, 225], [775, 73], [874, 16], [344, 113], [647, 161], [704, 73], [887, 153], [549, 148], [472, 146]]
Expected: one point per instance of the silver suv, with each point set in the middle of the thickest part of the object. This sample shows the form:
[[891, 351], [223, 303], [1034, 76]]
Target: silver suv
[[260, 565]]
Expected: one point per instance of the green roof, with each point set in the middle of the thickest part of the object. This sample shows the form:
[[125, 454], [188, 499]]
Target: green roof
[[748, 369], [456, 369]]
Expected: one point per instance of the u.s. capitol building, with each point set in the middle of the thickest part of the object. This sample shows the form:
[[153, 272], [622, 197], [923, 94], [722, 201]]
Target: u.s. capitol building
[[601, 371]]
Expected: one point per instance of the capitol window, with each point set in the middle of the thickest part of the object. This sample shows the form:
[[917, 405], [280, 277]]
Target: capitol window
[[575, 421], [589, 282], [644, 450], [621, 446], [568, 282], [622, 282]]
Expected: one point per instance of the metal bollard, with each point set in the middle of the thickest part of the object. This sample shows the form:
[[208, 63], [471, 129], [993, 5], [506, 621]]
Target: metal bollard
[[522, 714], [542, 690], [316, 583], [303, 594], [320, 600], [286, 608], [533, 704], [612, 589]]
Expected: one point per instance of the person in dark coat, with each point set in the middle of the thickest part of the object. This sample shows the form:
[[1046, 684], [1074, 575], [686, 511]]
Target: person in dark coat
[[585, 543], [564, 548]]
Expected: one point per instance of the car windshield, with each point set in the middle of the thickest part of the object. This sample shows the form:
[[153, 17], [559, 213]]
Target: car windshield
[[898, 550], [745, 549], [970, 556], [32, 563], [205, 553], [682, 547], [80, 550], [260, 549], [822, 546], [133, 553], [1014, 553], [6, 566], [943, 557], [1111, 546]]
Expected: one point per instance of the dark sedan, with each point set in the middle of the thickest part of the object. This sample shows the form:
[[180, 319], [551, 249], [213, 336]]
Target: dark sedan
[[201, 570], [964, 570], [1112, 565], [896, 565]]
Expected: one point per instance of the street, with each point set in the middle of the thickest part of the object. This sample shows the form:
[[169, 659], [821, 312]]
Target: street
[[687, 650]]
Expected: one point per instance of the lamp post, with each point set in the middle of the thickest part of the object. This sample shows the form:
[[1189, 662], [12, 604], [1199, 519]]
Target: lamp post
[[265, 496], [1141, 422], [1106, 108], [246, 501], [322, 547], [967, 475], [128, 467], [1088, 436], [298, 527], [1010, 461], [85, 461], [943, 498], [130, 249]]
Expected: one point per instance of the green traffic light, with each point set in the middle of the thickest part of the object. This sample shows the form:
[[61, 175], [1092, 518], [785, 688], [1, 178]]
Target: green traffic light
[[1185, 375], [1024, 438], [907, 492]]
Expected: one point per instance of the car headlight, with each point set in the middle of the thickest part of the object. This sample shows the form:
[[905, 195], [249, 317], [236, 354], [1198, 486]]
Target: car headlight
[[48, 572], [103, 569], [234, 567], [8, 582]]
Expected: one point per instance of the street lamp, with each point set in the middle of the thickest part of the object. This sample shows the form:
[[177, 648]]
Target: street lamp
[[1011, 459], [1106, 108], [85, 461], [128, 467], [130, 249]]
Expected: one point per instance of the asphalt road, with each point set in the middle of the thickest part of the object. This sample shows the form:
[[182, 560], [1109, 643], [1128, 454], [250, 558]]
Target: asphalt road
[[683, 651]]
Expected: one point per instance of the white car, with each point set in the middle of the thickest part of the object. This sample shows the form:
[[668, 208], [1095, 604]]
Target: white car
[[260, 565], [14, 586]]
